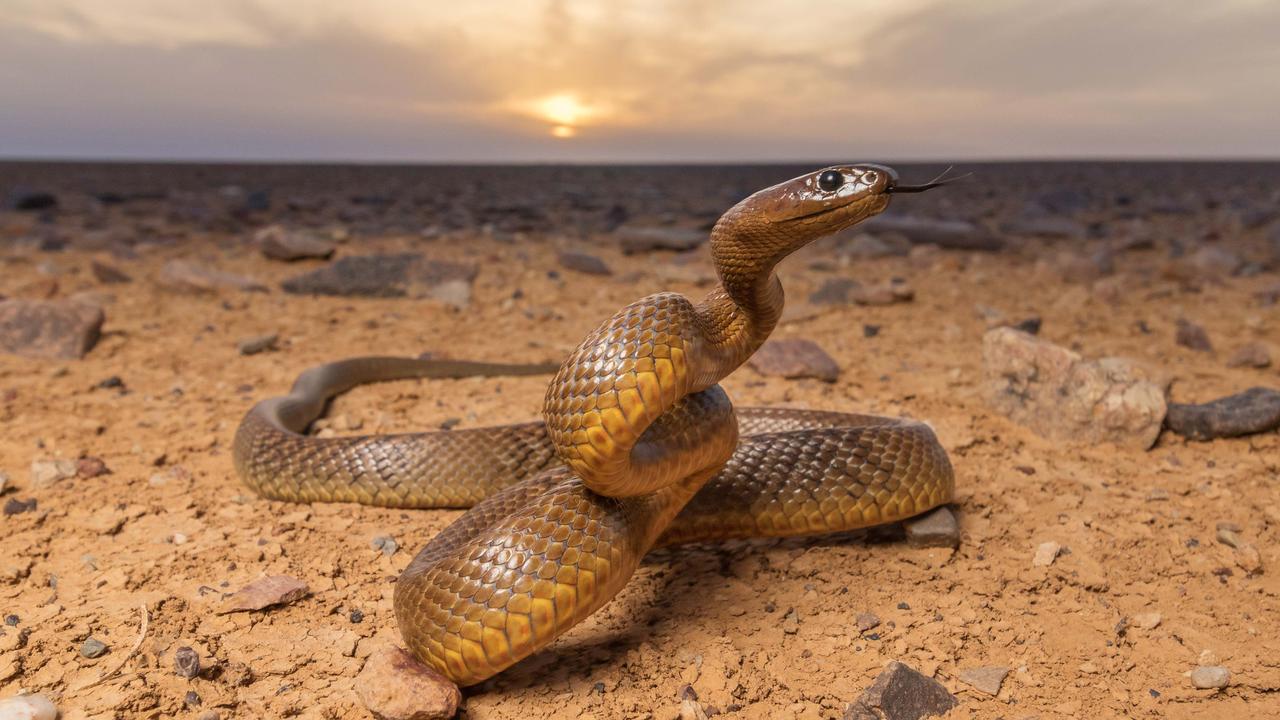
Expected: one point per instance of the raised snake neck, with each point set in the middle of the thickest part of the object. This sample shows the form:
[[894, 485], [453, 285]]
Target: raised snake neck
[[636, 434]]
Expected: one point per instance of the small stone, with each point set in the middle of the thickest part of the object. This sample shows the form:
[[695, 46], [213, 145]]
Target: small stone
[[47, 472], [266, 592], [108, 274], [257, 344], [901, 693], [28, 707], [356, 617], [895, 290], [866, 621], [386, 544], [1255, 410], [186, 662], [93, 648], [1227, 534], [395, 686], [91, 467], [191, 699], [1193, 336], [583, 263], [937, 528], [951, 234], [635, 239], [279, 243], [1210, 677], [55, 329], [387, 276], [1046, 553], [1030, 326], [1253, 355], [1147, 621], [14, 506], [865, 245], [12, 620], [189, 277], [985, 679], [1249, 559], [1213, 261], [795, 358]]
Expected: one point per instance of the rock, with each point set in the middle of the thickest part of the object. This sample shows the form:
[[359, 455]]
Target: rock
[[1087, 268], [1059, 395], [795, 358], [1046, 553], [1253, 355], [93, 648], [1255, 410], [1147, 621], [109, 274], [395, 686], [583, 263], [186, 662], [14, 506], [951, 234], [402, 275], [63, 329], [835, 291], [643, 239], [28, 707], [279, 243], [985, 679], [188, 277], [386, 544], [866, 246], [843, 291], [260, 343], [1212, 261], [1191, 335], [901, 693], [28, 200], [1211, 677], [47, 472], [266, 592], [91, 467], [937, 528], [1045, 226], [867, 621]]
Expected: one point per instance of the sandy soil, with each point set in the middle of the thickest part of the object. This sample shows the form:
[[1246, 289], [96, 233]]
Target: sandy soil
[[759, 630]]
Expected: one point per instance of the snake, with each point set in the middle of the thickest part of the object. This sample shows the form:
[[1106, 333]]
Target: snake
[[638, 447]]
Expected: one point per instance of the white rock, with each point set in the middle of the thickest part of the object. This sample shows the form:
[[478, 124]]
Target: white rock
[[47, 472], [27, 707], [1046, 553], [1213, 677]]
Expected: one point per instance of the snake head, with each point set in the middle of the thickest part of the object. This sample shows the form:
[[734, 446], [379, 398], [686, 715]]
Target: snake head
[[829, 199]]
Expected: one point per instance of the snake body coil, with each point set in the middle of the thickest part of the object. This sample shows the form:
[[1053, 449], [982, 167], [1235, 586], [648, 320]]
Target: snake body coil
[[639, 446]]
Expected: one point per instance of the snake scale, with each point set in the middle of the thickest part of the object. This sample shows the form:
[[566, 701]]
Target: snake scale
[[639, 446]]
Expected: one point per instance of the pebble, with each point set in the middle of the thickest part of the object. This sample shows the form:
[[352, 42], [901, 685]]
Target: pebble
[[951, 234], [91, 467], [635, 239], [93, 648], [795, 358], [985, 679], [583, 263], [867, 621], [47, 472], [28, 707], [185, 276], [265, 592], [14, 506], [257, 344], [186, 662], [1253, 355], [937, 528], [388, 276], [1046, 553], [1190, 335], [50, 329], [1226, 533], [1046, 226], [1255, 410], [279, 243], [108, 274], [866, 245], [386, 544], [395, 686], [843, 291], [1210, 677], [901, 693], [1147, 621]]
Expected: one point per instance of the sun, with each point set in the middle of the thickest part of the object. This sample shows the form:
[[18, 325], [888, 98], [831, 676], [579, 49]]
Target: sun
[[565, 113]]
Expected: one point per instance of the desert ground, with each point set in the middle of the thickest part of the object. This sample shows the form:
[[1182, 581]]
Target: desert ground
[[1099, 573]]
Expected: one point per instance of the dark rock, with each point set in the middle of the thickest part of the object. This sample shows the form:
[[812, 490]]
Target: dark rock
[[109, 274], [901, 693], [866, 246], [635, 239], [795, 358], [583, 263], [1193, 336], [62, 329], [870, 331], [402, 275], [30, 200], [260, 343], [279, 243], [1030, 325], [937, 528], [185, 276], [951, 234], [93, 648], [1255, 410], [110, 383], [845, 291], [186, 662], [91, 467], [14, 506]]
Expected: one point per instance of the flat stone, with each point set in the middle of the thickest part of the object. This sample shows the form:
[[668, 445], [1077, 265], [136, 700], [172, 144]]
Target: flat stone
[[795, 358], [93, 648], [1255, 355], [186, 276], [901, 693], [1253, 411], [583, 263], [280, 243], [1045, 226], [28, 707], [47, 472], [637, 239], [1147, 621], [109, 274], [29, 200], [395, 686], [1061, 396], [258, 344], [1212, 261], [401, 275], [1191, 335], [864, 245], [867, 621], [951, 234], [266, 592], [985, 679], [1210, 677], [62, 329], [936, 528], [1046, 553]]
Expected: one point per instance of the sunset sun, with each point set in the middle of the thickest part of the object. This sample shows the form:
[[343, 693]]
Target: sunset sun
[[565, 112]]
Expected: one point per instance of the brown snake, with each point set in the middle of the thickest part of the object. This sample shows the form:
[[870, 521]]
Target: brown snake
[[639, 446]]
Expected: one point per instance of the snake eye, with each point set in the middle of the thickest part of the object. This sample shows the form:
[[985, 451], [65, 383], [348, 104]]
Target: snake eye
[[830, 180]]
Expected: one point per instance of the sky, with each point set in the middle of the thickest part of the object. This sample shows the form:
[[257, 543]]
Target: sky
[[638, 81]]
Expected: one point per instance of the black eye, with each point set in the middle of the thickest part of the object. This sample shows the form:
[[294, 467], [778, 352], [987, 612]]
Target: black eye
[[830, 180]]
